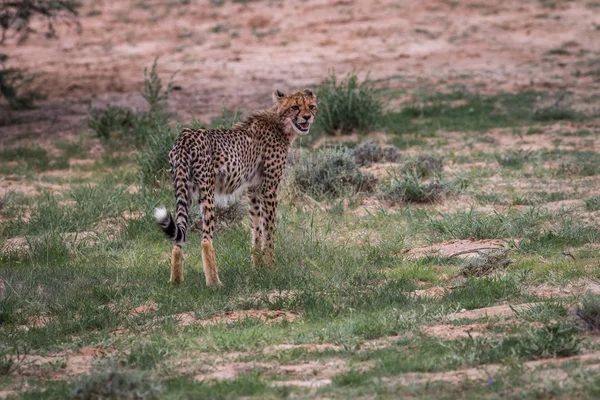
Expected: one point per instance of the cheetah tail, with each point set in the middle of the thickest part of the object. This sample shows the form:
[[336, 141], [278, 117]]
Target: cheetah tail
[[165, 221]]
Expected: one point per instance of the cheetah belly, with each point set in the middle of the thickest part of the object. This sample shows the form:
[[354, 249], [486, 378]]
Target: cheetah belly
[[227, 192]]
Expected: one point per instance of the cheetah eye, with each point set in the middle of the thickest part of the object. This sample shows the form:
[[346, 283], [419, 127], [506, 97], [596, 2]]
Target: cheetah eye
[[312, 107], [295, 108]]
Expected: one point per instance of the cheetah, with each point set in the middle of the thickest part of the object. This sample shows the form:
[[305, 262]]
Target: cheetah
[[216, 164]]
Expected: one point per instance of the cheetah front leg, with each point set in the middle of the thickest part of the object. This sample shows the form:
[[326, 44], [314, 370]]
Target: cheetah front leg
[[207, 206], [256, 208]]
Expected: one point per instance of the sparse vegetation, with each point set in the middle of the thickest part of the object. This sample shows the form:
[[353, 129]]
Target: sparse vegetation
[[369, 295]]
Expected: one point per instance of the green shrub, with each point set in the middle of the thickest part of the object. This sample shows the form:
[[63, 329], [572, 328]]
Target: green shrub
[[347, 106], [589, 311], [116, 385], [331, 173]]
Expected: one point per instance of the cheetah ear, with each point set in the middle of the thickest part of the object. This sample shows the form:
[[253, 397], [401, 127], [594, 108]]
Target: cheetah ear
[[277, 96], [309, 92]]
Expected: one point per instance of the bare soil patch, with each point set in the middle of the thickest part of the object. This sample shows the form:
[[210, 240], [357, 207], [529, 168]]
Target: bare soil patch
[[451, 247], [227, 317], [17, 184], [310, 347], [570, 289], [501, 311], [427, 42], [486, 371], [453, 332], [143, 309], [434, 292], [305, 371]]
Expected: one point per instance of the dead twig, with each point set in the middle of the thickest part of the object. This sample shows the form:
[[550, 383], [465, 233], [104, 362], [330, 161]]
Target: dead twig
[[476, 250]]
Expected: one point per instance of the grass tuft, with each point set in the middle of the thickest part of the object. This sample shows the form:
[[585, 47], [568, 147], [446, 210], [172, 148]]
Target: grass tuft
[[411, 189], [589, 312], [348, 105], [592, 203]]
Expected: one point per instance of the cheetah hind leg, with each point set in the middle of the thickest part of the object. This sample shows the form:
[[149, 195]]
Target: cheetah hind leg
[[210, 266], [176, 265]]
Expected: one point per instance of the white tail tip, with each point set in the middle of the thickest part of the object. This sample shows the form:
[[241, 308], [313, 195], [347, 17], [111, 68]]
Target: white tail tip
[[161, 214]]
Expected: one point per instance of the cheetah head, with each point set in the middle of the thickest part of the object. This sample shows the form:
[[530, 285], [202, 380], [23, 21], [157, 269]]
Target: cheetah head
[[297, 110]]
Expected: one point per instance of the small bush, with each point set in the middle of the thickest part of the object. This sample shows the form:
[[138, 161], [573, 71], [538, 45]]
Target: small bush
[[411, 189], [331, 173], [391, 154], [116, 385], [153, 92], [112, 123], [589, 312], [592, 203], [347, 106], [486, 264], [424, 166], [367, 153]]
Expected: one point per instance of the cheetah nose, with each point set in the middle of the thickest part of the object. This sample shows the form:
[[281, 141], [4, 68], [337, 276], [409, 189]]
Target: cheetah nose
[[307, 117]]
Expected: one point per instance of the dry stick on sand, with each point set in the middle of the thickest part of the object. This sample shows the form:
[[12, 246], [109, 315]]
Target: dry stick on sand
[[477, 250]]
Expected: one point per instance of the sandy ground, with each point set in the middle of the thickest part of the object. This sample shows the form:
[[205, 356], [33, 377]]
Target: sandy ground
[[237, 54]]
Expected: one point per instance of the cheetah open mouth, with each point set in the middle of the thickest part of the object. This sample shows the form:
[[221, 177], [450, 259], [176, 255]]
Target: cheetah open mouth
[[302, 126]]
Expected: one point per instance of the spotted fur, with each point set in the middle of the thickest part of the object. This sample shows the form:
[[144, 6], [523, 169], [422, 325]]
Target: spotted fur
[[207, 164]]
